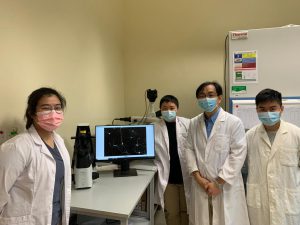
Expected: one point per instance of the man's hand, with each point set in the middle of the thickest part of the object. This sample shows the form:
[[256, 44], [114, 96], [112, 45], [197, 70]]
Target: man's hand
[[213, 189], [200, 180]]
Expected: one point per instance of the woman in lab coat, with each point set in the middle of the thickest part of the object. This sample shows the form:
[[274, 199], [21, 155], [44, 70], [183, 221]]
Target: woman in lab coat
[[35, 168], [273, 185], [215, 153], [173, 183]]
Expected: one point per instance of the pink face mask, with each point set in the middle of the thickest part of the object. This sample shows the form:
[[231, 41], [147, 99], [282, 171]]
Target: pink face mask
[[49, 121]]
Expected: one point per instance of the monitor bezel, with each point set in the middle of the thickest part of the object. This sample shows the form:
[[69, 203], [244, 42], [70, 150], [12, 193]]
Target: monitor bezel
[[129, 158]]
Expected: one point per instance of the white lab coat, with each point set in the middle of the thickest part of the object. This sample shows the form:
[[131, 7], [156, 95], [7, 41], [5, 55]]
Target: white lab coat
[[221, 155], [273, 185], [162, 159], [27, 175]]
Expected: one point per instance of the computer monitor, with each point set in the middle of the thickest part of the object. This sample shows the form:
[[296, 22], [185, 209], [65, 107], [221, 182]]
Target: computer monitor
[[122, 143]]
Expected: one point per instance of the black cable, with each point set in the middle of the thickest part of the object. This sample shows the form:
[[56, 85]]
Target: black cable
[[146, 109]]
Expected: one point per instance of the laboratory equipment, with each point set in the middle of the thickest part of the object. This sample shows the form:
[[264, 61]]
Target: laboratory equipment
[[151, 95], [150, 116], [136, 119], [259, 59], [83, 157], [262, 58], [122, 143]]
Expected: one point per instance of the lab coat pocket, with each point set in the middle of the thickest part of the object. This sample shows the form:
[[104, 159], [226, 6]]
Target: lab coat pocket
[[292, 201], [221, 143], [289, 156], [253, 196]]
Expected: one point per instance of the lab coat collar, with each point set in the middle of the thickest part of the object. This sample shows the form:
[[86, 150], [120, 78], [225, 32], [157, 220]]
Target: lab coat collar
[[38, 141], [164, 129], [281, 132], [221, 118], [219, 121], [202, 125], [263, 135], [222, 115], [165, 134], [214, 117], [280, 136]]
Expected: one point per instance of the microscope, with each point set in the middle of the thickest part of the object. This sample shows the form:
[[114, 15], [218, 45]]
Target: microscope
[[151, 116], [151, 95], [83, 157]]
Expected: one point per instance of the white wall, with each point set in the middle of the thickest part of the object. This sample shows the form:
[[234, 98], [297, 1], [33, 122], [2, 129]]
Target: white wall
[[174, 45], [102, 55], [73, 46]]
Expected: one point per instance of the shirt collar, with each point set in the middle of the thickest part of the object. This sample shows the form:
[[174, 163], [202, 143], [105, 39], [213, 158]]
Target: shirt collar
[[214, 117]]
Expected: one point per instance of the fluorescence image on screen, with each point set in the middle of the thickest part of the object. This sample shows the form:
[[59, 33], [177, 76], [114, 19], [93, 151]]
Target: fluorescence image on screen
[[125, 141]]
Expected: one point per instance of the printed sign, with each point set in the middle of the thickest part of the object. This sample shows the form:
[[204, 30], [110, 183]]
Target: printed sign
[[245, 67]]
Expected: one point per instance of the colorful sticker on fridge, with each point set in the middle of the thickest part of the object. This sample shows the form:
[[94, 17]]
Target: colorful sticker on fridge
[[245, 67]]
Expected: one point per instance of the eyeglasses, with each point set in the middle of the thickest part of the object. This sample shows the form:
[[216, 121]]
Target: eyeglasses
[[210, 95], [47, 109]]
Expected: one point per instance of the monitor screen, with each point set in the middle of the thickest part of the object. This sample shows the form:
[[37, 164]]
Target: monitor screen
[[118, 142]]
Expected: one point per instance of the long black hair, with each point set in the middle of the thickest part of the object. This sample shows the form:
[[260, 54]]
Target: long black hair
[[34, 98]]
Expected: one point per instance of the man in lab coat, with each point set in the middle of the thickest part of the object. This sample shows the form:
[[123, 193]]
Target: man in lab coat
[[273, 185], [215, 151], [173, 183]]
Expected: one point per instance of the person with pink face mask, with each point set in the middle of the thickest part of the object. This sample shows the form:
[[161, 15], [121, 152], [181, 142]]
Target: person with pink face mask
[[35, 171]]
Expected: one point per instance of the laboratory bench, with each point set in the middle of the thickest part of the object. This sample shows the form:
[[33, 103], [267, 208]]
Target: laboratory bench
[[116, 198]]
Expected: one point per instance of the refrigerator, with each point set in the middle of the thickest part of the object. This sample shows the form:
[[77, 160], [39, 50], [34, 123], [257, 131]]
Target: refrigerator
[[263, 58]]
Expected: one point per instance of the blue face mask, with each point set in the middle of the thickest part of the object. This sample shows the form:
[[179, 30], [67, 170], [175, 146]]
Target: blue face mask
[[168, 115], [269, 118], [207, 104]]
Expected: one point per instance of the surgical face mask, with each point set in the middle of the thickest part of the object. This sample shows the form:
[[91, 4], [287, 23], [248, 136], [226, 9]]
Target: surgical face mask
[[168, 115], [269, 118], [207, 104], [49, 121]]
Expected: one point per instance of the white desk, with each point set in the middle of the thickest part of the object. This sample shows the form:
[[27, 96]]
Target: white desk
[[115, 197]]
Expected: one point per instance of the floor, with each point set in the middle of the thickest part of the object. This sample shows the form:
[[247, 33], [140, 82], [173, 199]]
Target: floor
[[159, 218]]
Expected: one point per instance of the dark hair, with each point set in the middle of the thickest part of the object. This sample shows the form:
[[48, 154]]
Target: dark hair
[[169, 98], [268, 95], [214, 83], [33, 99]]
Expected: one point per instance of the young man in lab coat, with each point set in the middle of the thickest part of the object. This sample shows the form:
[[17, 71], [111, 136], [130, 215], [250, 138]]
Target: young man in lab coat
[[173, 183], [216, 150], [273, 185]]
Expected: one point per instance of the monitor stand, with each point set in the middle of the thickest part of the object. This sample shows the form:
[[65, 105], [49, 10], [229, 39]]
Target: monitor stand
[[124, 170]]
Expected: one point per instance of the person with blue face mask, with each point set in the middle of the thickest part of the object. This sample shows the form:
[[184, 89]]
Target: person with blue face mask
[[173, 184], [215, 152], [273, 188]]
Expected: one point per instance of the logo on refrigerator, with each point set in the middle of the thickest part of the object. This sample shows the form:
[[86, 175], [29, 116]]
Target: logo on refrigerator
[[239, 35]]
